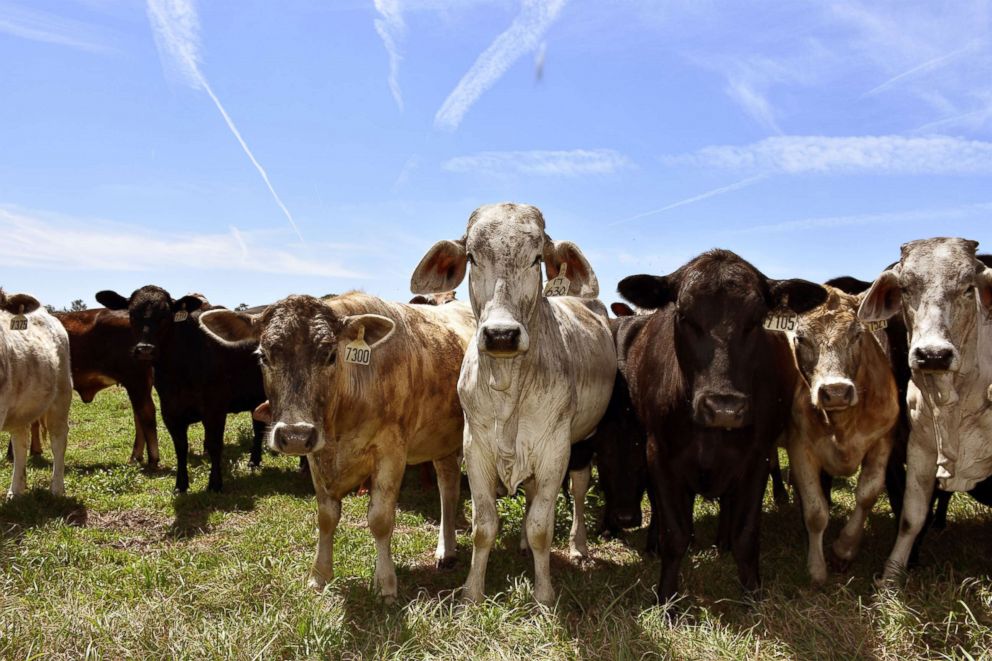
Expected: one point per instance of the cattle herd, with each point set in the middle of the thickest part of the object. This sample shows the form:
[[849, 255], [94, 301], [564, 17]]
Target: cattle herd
[[689, 392]]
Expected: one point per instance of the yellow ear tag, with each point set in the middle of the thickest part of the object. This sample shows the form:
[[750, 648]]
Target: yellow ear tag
[[19, 322], [781, 321], [558, 286], [180, 315], [357, 351], [873, 326]]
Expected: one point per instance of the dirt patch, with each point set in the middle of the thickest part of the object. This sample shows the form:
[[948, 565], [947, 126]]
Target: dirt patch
[[137, 529]]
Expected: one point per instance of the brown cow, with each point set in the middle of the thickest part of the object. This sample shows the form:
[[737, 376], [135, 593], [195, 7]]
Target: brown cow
[[397, 405], [844, 409]]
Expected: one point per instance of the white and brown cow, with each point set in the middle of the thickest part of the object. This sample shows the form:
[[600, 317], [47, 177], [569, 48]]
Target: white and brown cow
[[356, 420], [35, 383], [945, 296], [536, 378], [843, 412]]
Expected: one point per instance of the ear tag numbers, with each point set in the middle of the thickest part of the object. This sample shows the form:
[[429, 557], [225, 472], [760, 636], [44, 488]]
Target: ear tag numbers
[[180, 315], [357, 351], [781, 321], [19, 322], [874, 326], [558, 286]]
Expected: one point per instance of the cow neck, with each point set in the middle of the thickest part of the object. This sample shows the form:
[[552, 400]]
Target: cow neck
[[512, 374]]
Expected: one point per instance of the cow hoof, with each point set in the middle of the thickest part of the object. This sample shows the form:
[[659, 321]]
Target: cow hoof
[[837, 563], [444, 564], [579, 558], [58, 491], [134, 459]]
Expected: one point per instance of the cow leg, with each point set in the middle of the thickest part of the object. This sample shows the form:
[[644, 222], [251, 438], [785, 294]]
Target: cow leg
[[529, 491], [213, 443], [920, 462], [20, 438], [651, 547], [815, 509], [578, 546], [871, 481], [747, 528], [179, 431], [36, 438], [481, 467], [145, 429], [675, 508], [449, 482], [548, 476], [258, 433], [943, 499], [328, 515], [387, 478], [10, 450], [57, 422], [779, 493]]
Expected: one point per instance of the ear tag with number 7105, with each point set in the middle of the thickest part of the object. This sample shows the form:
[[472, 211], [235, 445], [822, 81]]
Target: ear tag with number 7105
[[357, 351], [558, 286], [781, 321]]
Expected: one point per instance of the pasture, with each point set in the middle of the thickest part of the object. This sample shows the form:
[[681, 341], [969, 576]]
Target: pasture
[[123, 568]]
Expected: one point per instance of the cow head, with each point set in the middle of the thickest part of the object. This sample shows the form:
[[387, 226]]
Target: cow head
[[300, 343], [943, 291], [506, 245], [721, 302], [830, 345], [152, 313], [18, 303], [433, 299]]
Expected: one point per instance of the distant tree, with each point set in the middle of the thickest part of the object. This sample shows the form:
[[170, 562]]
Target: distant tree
[[51, 308], [241, 307], [77, 305]]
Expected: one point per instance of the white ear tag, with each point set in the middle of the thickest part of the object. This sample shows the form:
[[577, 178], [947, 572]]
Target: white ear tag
[[19, 322], [357, 351], [781, 321], [873, 326], [180, 315], [558, 286]]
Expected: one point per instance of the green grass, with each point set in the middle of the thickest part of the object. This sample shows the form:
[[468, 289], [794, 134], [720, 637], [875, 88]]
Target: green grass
[[122, 568]]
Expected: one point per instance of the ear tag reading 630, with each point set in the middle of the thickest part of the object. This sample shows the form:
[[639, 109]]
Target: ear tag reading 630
[[874, 326], [180, 315], [558, 286], [357, 351], [781, 321], [19, 322]]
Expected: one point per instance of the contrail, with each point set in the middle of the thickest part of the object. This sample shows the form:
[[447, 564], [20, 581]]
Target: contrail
[[391, 28], [696, 198], [176, 28], [929, 64]]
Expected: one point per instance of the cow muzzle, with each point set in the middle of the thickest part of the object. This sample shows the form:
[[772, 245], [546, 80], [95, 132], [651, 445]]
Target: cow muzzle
[[836, 395], [295, 439], [145, 351], [933, 358], [722, 410], [503, 339]]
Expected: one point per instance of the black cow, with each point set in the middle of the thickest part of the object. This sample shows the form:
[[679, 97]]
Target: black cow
[[197, 379], [712, 388]]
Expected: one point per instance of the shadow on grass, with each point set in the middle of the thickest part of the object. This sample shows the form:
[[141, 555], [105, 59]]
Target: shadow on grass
[[35, 508]]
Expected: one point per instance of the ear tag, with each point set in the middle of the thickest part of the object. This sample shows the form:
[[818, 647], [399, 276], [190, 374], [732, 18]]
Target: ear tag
[[874, 326], [180, 315], [781, 321], [558, 286], [19, 322], [357, 351]]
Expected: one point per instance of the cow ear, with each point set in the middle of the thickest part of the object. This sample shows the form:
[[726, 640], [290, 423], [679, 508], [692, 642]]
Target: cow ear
[[21, 304], [441, 269], [648, 291], [111, 300], [622, 310], [581, 278], [187, 303], [849, 285], [235, 329], [419, 299], [799, 295], [983, 283], [883, 300], [377, 328]]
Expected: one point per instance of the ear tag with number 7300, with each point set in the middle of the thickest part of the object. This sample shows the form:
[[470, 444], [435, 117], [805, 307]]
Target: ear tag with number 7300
[[558, 286], [357, 351], [781, 321], [180, 315], [19, 322]]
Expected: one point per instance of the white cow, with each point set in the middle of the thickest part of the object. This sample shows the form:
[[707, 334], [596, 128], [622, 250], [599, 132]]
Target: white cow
[[537, 378], [945, 296], [35, 383]]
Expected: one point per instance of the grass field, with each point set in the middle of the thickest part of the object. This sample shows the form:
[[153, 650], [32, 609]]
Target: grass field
[[123, 568]]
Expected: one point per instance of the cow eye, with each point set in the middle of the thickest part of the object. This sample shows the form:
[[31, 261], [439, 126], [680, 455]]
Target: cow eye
[[537, 260]]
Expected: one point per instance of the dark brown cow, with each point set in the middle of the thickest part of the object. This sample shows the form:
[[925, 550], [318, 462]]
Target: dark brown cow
[[712, 388]]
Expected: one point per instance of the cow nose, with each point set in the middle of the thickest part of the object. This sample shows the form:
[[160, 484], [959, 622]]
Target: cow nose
[[724, 411], [936, 359], [298, 438], [501, 339], [144, 351], [835, 396]]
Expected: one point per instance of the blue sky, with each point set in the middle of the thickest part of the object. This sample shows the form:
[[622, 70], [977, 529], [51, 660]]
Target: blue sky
[[252, 149]]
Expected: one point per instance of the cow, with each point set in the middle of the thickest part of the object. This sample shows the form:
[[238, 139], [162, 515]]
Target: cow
[[844, 409], [711, 387], [536, 378], [197, 379], [35, 383], [944, 295], [364, 414]]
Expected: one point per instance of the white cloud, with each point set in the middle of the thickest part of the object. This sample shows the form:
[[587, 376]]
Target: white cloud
[[45, 241], [177, 34], [525, 34], [391, 27], [48, 28], [884, 154], [572, 163], [947, 213]]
